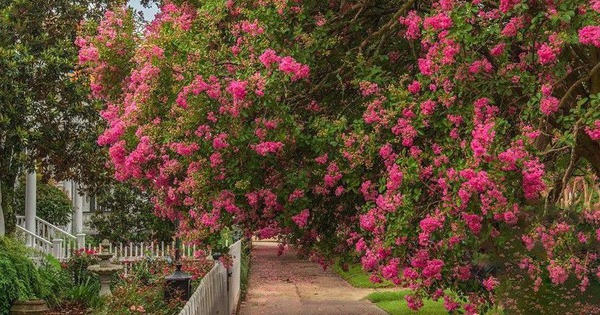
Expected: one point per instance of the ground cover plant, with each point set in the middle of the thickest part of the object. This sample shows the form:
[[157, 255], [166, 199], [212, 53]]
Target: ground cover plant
[[451, 144]]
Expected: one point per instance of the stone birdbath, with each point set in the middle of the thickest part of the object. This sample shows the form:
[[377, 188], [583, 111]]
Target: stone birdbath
[[105, 269]]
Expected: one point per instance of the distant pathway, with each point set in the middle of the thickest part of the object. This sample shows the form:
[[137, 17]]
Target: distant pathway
[[287, 285]]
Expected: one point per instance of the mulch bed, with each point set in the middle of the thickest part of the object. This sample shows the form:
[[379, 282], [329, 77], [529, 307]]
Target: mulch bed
[[69, 309]]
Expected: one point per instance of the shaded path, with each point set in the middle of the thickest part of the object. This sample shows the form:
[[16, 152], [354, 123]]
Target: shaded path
[[287, 285]]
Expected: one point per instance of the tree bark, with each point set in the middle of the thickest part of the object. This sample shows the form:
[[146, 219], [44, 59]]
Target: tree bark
[[8, 220], [2, 224]]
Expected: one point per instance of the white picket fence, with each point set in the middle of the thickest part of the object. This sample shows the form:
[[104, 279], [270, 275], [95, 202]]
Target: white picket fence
[[135, 251], [219, 291]]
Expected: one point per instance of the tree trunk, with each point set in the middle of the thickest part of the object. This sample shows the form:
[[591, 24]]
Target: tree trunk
[[2, 224], [8, 219]]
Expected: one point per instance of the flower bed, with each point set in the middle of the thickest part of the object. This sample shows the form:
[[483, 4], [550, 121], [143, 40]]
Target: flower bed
[[139, 289]]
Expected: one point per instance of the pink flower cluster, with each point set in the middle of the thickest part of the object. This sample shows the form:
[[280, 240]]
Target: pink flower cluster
[[594, 132], [237, 89], [549, 105], [264, 148], [286, 64], [301, 219], [590, 35], [533, 184]]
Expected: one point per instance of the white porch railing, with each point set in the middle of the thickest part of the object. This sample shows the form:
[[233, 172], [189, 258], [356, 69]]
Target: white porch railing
[[35, 241], [219, 290], [58, 242]]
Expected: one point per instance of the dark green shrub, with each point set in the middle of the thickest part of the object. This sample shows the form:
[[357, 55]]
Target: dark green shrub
[[53, 205], [126, 214], [20, 279], [55, 281]]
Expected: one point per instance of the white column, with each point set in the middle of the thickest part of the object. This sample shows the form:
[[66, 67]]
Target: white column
[[78, 214], [30, 203], [69, 189]]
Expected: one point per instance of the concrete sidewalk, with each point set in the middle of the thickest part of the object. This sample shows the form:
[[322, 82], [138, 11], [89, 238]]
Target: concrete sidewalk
[[287, 285]]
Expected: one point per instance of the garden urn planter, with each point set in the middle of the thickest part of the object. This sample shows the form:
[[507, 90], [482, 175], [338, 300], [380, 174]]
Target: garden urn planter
[[31, 307]]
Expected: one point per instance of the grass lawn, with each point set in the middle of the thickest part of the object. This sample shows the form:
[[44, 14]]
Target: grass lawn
[[358, 278], [395, 304]]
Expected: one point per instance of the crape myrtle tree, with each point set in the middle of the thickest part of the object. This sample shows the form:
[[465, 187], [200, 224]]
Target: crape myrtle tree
[[208, 109], [435, 138], [45, 118]]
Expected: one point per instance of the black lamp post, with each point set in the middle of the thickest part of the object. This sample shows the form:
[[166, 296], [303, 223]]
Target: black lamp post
[[179, 283]]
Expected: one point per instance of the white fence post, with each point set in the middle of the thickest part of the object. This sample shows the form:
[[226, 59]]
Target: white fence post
[[57, 248], [213, 295], [80, 240]]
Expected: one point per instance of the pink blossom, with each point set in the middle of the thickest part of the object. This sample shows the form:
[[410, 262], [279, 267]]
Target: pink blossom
[[449, 303], [546, 54], [510, 218], [291, 66], [427, 107], [431, 224], [410, 273], [433, 269], [395, 178], [367, 221], [438, 22], [269, 57], [594, 132], [513, 25], [414, 302], [413, 23], [184, 149], [473, 221], [533, 185], [426, 66], [220, 141], [301, 219], [507, 5], [265, 148], [595, 5], [414, 87], [237, 89], [215, 159], [252, 28], [558, 274], [368, 88], [497, 50], [386, 151], [322, 159], [88, 54], [590, 35], [390, 270], [490, 283]]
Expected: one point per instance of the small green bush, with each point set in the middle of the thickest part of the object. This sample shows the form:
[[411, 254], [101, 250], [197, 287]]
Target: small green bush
[[85, 293], [78, 265]]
